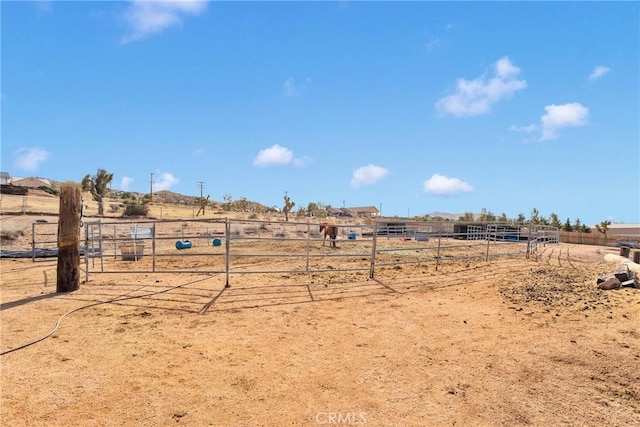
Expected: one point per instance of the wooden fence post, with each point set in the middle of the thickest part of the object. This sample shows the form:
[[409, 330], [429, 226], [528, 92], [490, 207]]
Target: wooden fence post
[[68, 278]]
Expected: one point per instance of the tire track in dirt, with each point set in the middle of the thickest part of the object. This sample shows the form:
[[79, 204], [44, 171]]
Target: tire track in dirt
[[492, 273], [560, 257], [569, 258], [545, 258]]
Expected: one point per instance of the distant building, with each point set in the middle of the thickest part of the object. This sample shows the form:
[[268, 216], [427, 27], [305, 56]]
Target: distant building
[[365, 212], [31, 182], [620, 230], [359, 212], [5, 178]]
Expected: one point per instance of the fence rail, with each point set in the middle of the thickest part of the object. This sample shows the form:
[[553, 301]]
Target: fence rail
[[242, 246]]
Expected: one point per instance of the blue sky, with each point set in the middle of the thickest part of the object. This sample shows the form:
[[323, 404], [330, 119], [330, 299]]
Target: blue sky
[[415, 107]]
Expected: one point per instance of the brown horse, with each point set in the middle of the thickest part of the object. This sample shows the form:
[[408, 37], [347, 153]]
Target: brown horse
[[331, 231]]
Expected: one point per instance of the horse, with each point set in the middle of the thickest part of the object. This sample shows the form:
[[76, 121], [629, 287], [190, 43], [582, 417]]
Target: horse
[[331, 231]]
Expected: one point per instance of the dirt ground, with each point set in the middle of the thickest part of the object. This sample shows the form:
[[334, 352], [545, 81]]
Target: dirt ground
[[509, 342]]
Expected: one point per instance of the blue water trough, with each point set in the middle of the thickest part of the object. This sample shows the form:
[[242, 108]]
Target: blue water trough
[[183, 244]]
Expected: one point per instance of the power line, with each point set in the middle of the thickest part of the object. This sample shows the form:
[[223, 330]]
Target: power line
[[201, 185], [151, 187]]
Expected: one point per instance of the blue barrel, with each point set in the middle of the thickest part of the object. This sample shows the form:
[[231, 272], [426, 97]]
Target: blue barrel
[[217, 242], [186, 244], [352, 235]]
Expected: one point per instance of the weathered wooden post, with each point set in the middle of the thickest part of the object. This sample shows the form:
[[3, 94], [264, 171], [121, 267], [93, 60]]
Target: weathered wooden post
[[69, 239], [625, 251]]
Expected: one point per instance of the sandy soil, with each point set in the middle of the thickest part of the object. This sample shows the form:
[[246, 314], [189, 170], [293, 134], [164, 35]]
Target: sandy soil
[[511, 342]]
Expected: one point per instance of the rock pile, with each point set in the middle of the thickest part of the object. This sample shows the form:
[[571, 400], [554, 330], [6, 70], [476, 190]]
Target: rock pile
[[622, 276]]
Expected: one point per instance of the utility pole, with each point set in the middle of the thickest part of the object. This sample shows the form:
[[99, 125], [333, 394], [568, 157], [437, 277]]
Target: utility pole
[[151, 188], [201, 185]]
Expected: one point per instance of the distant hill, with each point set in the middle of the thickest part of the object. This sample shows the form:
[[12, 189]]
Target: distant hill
[[162, 196], [166, 196], [169, 197], [449, 216]]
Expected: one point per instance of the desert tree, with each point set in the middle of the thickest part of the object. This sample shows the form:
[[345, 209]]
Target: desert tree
[[242, 205], [228, 199], [258, 208], [317, 209], [577, 225], [603, 227], [288, 205], [202, 203], [503, 217], [97, 185], [521, 218], [567, 225], [468, 216], [301, 212], [535, 216], [321, 212], [554, 221], [486, 215], [312, 209]]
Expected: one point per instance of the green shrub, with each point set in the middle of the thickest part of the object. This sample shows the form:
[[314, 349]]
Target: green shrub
[[135, 209]]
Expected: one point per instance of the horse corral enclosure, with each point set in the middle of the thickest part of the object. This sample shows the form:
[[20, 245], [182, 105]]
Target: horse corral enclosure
[[236, 246]]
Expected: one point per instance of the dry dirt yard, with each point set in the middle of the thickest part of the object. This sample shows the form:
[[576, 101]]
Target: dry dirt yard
[[510, 342]]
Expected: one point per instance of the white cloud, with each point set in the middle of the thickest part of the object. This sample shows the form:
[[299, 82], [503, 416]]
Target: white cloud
[[290, 88], [146, 17], [43, 6], [301, 162], [279, 155], [368, 175], [475, 97], [125, 182], [29, 159], [525, 129], [441, 185], [274, 155], [166, 181], [599, 71], [561, 116], [433, 44]]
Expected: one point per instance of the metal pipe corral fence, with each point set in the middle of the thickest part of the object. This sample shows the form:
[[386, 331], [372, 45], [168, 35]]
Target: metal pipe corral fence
[[270, 247]]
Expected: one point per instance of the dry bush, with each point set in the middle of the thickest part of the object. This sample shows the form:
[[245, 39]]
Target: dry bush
[[9, 231]]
